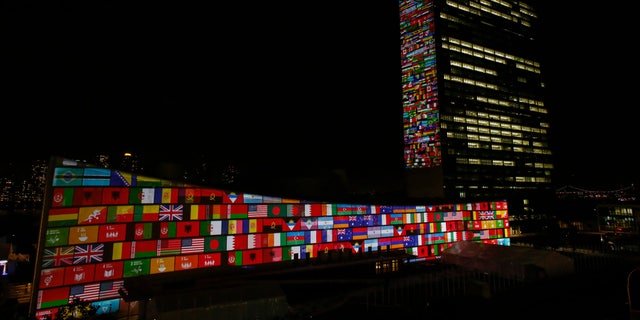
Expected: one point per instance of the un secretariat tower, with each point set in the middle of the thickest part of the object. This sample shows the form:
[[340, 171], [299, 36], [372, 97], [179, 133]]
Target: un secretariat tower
[[475, 123]]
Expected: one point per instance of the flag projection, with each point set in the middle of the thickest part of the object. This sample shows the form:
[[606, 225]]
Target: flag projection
[[100, 227], [421, 111]]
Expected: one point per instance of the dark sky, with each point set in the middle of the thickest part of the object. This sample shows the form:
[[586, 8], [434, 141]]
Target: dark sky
[[292, 84]]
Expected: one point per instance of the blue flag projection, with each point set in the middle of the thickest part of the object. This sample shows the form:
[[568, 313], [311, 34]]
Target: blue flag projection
[[102, 226]]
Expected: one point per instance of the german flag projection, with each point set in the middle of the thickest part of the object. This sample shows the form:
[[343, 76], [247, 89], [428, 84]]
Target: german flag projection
[[101, 227]]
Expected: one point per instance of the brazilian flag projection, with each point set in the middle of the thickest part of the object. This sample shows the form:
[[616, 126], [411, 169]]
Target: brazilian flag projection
[[101, 227]]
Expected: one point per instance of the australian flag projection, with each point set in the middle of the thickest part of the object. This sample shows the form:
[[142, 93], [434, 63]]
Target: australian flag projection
[[101, 227]]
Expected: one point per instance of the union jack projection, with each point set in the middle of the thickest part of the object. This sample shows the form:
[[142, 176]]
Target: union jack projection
[[102, 226]]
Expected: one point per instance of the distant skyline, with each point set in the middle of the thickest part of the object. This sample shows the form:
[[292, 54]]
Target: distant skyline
[[318, 89]]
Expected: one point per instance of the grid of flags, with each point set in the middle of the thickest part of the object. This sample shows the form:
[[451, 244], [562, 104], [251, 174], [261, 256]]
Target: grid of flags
[[104, 226]]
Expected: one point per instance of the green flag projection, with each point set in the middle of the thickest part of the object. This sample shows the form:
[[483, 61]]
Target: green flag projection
[[101, 227]]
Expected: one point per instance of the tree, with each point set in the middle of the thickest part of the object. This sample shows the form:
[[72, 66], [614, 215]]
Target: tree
[[78, 309]]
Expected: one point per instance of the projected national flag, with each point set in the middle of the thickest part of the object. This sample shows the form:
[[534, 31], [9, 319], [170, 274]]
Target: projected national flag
[[92, 215], [387, 231], [87, 292], [371, 244], [277, 239], [313, 210], [293, 223], [257, 210], [277, 210], [59, 217], [410, 241], [170, 212], [169, 247], [499, 205], [209, 196], [360, 233], [369, 220], [252, 198], [329, 209], [272, 254], [50, 298], [169, 195], [313, 236], [214, 244], [341, 221], [198, 212], [87, 196], [59, 256], [481, 206], [250, 257], [168, 229], [345, 234], [88, 253], [270, 199], [62, 197], [356, 221], [115, 195], [141, 231], [192, 245], [237, 242], [189, 195], [238, 211], [252, 226], [309, 223], [96, 177], [146, 213], [295, 210], [254, 241], [144, 248], [396, 218], [325, 222], [120, 213], [234, 258], [272, 224], [67, 177], [486, 215], [188, 229], [142, 195], [295, 238], [213, 227], [329, 235], [109, 289], [373, 232]]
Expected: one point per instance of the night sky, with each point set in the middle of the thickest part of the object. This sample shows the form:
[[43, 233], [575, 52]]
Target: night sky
[[294, 85]]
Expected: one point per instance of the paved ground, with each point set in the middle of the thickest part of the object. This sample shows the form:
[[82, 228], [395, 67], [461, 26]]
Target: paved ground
[[598, 290]]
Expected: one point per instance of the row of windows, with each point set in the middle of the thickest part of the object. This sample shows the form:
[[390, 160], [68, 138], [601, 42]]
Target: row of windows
[[478, 51]]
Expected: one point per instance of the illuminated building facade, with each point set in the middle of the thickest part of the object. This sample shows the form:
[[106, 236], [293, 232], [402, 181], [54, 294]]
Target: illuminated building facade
[[101, 227], [475, 130], [475, 123]]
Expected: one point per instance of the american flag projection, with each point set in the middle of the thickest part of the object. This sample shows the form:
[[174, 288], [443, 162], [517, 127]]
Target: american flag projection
[[101, 227]]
